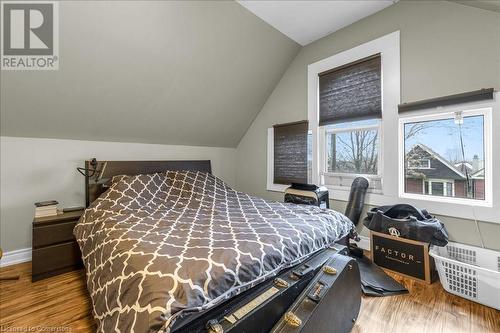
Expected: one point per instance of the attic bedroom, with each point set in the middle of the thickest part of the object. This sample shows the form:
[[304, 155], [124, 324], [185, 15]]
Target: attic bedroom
[[250, 166]]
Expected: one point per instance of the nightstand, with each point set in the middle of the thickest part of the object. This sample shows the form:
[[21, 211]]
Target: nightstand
[[55, 250]]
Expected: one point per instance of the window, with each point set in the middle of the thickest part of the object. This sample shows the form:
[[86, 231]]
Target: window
[[424, 163], [288, 155], [439, 188], [352, 147], [399, 176], [349, 117], [348, 95], [446, 155]]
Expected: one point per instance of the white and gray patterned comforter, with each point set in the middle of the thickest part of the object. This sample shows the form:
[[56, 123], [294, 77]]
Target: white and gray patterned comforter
[[160, 244]]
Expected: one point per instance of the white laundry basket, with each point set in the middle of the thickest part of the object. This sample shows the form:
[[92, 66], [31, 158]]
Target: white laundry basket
[[470, 272]]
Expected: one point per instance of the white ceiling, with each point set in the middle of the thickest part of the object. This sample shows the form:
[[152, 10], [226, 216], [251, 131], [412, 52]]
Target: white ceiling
[[307, 21]]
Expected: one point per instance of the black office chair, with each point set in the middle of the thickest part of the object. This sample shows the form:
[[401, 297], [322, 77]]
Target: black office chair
[[355, 208], [357, 199]]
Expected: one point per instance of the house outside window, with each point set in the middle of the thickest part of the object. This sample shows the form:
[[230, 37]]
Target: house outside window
[[447, 155]]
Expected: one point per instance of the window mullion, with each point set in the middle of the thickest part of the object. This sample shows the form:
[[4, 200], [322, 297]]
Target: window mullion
[[322, 152], [351, 129]]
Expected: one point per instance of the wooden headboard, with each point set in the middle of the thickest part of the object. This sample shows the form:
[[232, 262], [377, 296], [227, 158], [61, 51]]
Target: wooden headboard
[[99, 175]]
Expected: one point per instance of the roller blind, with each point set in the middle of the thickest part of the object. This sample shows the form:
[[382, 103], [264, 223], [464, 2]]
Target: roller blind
[[351, 92], [290, 153]]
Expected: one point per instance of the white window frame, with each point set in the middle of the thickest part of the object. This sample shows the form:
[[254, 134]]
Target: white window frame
[[488, 157], [388, 47], [442, 181], [428, 160], [323, 167]]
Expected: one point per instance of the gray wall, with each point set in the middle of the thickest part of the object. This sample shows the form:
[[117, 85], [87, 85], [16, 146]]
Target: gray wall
[[446, 48], [33, 170], [168, 72], [129, 84]]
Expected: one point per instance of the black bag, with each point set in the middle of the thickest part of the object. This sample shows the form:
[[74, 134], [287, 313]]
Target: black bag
[[410, 222]]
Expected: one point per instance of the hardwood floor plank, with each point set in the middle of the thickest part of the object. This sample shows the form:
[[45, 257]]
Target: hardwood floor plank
[[58, 302], [62, 302]]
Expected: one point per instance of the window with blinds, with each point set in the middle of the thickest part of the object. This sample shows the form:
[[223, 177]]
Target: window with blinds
[[290, 153], [351, 92], [350, 109]]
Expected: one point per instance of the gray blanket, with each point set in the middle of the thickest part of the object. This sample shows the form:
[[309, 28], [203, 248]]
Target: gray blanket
[[161, 244]]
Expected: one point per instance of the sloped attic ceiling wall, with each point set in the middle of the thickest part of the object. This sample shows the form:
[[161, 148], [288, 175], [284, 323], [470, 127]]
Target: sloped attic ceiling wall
[[190, 73]]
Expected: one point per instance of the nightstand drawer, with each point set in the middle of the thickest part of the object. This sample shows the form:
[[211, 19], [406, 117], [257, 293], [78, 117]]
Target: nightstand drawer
[[55, 250], [55, 259], [53, 234]]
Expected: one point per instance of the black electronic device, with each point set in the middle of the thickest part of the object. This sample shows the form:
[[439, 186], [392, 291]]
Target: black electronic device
[[307, 194]]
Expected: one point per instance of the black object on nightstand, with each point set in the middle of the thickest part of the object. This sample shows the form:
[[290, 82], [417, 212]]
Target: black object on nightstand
[[55, 250], [307, 194]]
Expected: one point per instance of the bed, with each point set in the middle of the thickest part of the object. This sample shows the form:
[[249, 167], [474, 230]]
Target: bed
[[177, 240]]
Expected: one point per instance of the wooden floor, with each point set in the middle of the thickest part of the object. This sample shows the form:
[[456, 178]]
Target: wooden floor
[[61, 304]]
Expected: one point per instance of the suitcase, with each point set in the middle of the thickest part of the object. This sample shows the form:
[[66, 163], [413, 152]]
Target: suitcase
[[258, 309], [330, 302]]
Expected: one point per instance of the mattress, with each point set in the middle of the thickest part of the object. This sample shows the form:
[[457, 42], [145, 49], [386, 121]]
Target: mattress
[[158, 245]]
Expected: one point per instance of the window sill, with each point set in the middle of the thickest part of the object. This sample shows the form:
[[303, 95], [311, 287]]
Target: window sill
[[347, 189], [331, 188], [277, 187], [343, 181], [447, 200], [481, 211], [461, 209]]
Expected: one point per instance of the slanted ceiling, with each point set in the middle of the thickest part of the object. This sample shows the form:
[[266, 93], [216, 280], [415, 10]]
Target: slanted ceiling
[[493, 5], [189, 73]]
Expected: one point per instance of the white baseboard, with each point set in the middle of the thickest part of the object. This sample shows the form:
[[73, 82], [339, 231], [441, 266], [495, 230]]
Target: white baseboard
[[15, 257], [364, 243]]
